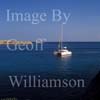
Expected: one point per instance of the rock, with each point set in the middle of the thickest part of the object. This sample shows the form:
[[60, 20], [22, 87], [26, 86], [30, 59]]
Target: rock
[[93, 90]]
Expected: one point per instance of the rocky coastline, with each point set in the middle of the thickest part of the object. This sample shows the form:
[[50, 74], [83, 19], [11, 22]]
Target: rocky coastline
[[5, 42]]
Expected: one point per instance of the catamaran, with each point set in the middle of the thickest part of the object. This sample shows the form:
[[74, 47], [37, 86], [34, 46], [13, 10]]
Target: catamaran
[[62, 51]]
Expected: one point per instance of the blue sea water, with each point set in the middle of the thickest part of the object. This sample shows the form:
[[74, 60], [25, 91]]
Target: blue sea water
[[83, 64]]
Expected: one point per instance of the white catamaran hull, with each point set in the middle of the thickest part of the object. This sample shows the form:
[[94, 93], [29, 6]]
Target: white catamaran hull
[[62, 53]]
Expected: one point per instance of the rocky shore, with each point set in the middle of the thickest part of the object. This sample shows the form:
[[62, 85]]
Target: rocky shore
[[5, 42], [93, 90]]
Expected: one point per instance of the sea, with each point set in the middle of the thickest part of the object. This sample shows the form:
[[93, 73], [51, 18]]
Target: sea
[[84, 63]]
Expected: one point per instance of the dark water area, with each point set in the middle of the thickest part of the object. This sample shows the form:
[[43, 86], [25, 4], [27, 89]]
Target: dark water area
[[83, 64]]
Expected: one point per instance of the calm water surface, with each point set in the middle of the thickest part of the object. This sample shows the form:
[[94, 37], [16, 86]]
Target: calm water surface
[[84, 64]]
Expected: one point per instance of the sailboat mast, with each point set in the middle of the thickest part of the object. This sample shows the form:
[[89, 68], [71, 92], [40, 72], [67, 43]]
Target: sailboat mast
[[61, 42]]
